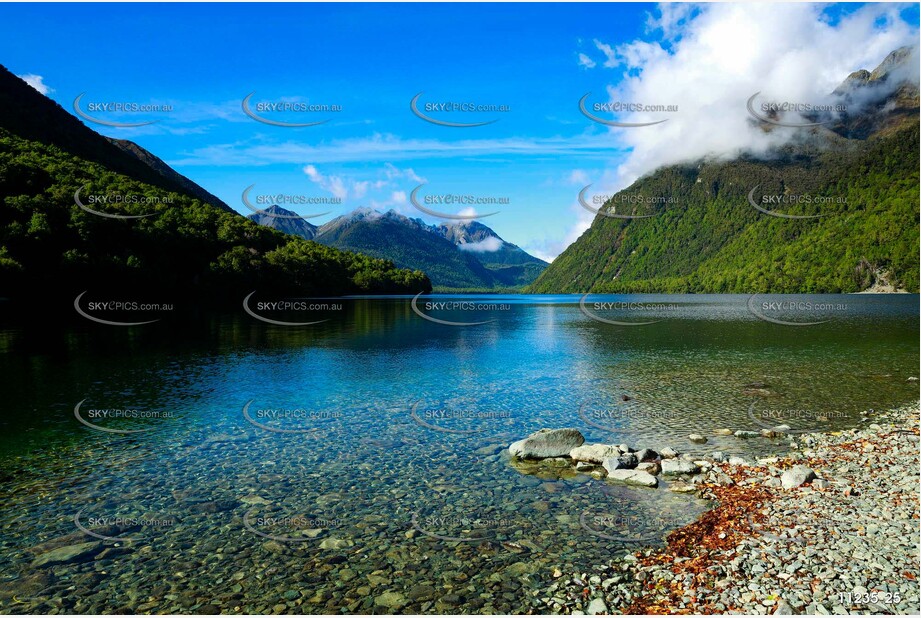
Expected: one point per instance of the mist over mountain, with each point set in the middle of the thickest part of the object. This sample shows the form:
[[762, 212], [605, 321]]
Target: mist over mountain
[[454, 255], [845, 212]]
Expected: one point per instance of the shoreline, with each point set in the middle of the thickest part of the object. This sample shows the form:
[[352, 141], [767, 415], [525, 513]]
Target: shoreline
[[843, 542]]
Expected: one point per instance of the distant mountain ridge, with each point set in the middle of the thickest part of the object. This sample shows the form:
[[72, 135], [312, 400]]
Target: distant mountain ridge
[[454, 255]]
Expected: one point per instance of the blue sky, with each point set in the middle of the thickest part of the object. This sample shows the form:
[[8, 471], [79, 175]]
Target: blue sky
[[371, 59]]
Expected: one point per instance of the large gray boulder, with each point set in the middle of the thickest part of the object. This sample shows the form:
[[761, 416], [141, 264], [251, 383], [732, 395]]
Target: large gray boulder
[[547, 443]]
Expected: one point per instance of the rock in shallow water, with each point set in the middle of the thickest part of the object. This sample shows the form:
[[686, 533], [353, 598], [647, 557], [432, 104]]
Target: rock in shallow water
[[623, 462], [70, 553], [547, 443], [634, 477], [594, 453], [391, 600], [746, 434], [679, 466]]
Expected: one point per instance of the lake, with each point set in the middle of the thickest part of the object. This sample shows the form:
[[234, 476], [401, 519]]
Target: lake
[[224, 462]]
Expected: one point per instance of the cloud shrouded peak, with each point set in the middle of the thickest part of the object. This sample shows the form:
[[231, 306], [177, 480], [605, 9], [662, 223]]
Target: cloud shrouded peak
[[713, 58]]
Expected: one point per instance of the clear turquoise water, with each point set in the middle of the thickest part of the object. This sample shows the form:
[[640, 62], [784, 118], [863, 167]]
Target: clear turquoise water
[[395, 503]]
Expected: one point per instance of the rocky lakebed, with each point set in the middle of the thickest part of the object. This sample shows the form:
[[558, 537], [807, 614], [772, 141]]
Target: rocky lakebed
[[235, 522]]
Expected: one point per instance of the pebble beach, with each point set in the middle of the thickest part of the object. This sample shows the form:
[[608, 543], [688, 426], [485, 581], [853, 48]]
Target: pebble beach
[[832, 527]]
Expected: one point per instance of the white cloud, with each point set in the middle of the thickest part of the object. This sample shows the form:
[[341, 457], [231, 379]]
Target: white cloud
[[724, 53], [394, 173], [37, 82], [585, 61], [487, 245], [333, 184], [389, 181], [578, 177], [609, 53], [470, 211], [672, 15], [598, 146]]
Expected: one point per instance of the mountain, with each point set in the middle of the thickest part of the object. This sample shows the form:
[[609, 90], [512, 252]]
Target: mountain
[[178, 247], [885, 98], [30, 115], [285, 221], [410, 243], [159, 166], [709, 238], [458, 255], [508, 263]]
